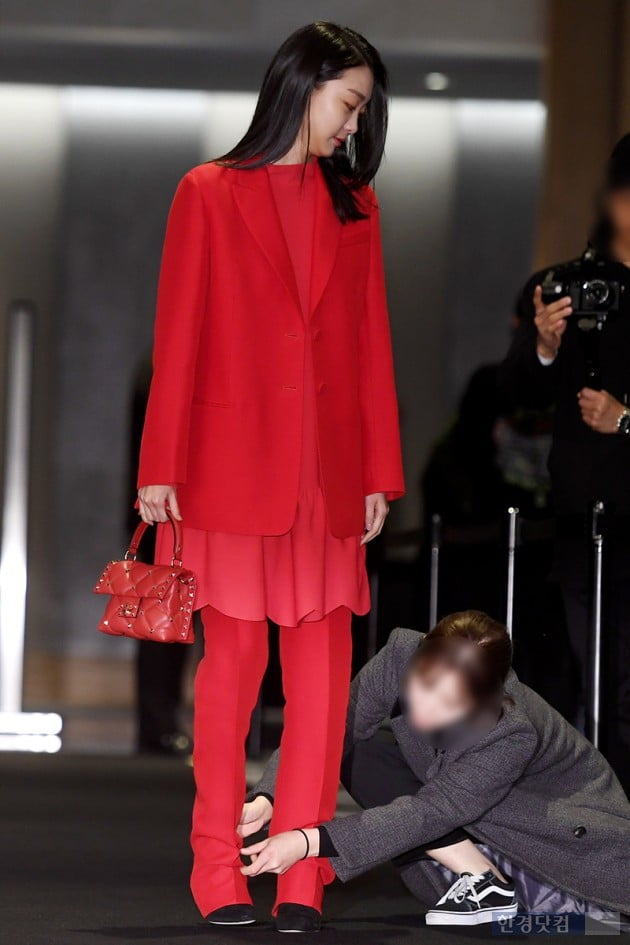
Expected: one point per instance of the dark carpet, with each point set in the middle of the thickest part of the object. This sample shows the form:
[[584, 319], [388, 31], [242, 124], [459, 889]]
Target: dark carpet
[[95, 852]]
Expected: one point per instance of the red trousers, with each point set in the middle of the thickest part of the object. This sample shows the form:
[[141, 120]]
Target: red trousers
[[316, 660]]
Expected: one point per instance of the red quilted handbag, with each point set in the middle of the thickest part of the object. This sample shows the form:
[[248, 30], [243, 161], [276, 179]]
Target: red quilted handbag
[[149, 601]]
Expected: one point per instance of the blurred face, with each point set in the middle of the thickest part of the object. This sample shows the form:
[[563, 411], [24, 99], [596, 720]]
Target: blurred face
[[436, 698], [335, 109], [618, 208]]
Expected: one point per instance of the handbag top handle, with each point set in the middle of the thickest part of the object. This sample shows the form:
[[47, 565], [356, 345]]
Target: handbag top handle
[[176, 560]]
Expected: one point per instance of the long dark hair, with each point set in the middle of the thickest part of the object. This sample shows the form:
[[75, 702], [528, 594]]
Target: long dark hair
[[311, 56], [476, 646]]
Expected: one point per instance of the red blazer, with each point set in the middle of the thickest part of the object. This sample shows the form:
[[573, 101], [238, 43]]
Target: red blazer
[[224, 416]]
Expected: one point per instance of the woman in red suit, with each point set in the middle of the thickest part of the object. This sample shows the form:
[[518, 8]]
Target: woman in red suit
[[272, 431]]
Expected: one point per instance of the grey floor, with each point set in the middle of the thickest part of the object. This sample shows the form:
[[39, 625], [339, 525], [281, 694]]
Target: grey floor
[[94, 851]]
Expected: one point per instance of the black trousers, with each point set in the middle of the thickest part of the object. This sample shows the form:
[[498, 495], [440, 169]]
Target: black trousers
[[375, 773]]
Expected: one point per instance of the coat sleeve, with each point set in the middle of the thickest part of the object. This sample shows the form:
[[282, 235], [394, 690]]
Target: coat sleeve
[[382, 462], [182, 292], [373, 692], [523, 382], [375, 688], [467, 788]]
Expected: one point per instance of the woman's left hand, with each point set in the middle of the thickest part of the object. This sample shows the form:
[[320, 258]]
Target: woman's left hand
[[279, 853], [376, 511], [600, 410]]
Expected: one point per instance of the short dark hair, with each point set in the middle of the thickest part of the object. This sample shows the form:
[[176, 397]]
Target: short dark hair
[[476, 646], [616, 177], [309, 57]]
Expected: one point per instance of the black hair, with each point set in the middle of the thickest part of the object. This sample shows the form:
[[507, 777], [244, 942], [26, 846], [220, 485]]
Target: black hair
[[311, 56], [616, 177]]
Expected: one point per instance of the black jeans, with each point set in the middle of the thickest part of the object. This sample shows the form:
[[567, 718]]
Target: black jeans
[[375, 773]]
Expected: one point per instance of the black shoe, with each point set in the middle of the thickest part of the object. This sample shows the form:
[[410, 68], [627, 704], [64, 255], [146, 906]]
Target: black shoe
[[474, 900], [293, 917], [232, 915]]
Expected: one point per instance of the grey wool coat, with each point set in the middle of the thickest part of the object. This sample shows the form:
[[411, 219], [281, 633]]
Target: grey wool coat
[[531, 788]]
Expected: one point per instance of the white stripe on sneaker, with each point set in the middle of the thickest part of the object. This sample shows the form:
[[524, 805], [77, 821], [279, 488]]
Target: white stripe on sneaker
[[480, 917]]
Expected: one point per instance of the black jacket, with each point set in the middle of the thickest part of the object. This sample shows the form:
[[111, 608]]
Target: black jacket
[[584, 465]]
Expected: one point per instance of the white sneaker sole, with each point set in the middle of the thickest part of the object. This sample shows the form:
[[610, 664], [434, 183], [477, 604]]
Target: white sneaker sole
[[482, 917], [226, 924]]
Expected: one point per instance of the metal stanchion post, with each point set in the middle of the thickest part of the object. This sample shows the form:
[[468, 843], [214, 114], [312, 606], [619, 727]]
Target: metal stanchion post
[[593, 714], [436, 543], [512, 539]]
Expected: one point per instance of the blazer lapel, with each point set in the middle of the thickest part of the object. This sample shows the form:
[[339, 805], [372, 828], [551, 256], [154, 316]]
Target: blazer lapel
[[325, 240], [257, 206]]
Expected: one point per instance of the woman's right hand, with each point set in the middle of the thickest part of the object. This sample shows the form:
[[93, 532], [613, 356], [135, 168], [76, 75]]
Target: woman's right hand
[[254, 816], [550, 320], [153, 501]]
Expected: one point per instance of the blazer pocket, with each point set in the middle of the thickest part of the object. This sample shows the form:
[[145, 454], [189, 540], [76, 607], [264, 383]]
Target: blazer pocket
[[210, 403]]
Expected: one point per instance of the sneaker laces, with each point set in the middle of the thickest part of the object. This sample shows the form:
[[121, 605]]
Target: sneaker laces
[[464, 888]]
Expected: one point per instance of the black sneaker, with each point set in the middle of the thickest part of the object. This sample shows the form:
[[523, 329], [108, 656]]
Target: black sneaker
[[240, 914], [474, 900], [294, 917]]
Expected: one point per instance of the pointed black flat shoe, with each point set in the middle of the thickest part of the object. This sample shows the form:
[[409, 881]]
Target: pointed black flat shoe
[[294, 917], [240, 914]]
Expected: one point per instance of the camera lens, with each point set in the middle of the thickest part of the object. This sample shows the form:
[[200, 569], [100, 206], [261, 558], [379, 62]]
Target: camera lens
[[596, 293]]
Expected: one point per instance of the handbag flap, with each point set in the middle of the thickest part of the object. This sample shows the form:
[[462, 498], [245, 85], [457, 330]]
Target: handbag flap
[[129, 578]]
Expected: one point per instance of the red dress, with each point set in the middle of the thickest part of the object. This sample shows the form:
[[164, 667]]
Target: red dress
[[306, 573]]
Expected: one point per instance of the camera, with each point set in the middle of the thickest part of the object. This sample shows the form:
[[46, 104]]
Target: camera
[[588, 296], [593, 289], [596, 293]]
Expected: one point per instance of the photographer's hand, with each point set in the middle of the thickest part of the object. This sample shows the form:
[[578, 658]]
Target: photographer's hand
[[600, 410], [550, 320]]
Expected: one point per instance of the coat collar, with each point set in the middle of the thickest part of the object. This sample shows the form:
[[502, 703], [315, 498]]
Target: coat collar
[[326, 236], [254, 198]]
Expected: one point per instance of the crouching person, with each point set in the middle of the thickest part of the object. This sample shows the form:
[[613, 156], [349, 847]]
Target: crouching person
[[479, 791]]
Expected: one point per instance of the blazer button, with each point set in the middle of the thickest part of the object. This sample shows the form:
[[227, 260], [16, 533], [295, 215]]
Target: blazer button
[[316, 334], [579, 831], [322, 388]]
